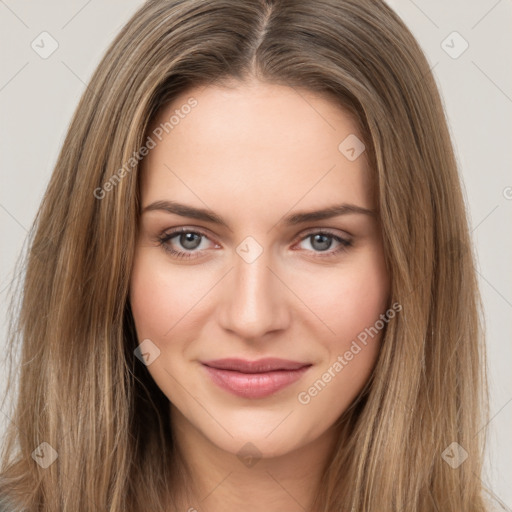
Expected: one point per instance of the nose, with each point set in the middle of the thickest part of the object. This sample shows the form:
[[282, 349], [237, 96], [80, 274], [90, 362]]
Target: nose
[[255, 299]]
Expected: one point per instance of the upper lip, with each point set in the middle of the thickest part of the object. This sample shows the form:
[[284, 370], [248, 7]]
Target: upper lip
[[267, 364]]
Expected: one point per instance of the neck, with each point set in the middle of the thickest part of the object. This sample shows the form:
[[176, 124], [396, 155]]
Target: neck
[[215, 480]]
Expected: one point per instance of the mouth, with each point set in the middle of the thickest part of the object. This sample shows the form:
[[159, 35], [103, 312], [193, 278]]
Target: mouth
[[254, 379]]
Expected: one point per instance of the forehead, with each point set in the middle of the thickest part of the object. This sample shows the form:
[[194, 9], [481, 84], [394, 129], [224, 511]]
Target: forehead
[[254, 141]]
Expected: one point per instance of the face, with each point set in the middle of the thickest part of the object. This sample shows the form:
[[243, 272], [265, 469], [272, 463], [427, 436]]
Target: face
[[230, 264]]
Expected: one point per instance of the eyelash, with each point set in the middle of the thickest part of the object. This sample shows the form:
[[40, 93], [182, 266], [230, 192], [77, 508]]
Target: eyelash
[[166, 237]]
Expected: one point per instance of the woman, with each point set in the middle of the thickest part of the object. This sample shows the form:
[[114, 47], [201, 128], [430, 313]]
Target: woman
[[250, 283]]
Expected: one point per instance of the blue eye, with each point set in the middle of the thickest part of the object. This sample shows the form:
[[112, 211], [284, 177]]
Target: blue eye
[[190, 240], [187, 238], [322, 241]]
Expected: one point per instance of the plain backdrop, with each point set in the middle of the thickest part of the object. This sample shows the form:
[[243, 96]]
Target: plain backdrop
[[468, 44]]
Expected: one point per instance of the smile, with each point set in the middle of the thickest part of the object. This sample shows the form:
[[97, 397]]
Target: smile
[[254, 379]]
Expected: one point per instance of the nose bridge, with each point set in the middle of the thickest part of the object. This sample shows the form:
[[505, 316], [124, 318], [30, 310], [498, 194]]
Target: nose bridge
[[254, 301]]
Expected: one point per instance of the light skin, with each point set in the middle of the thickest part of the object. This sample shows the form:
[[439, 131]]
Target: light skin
[[254, 154]]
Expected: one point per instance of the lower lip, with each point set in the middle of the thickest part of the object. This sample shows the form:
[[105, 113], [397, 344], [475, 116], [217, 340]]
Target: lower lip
[[254, 385]]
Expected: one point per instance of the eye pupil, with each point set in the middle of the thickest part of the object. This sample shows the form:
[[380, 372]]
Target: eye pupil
[[325, 242], [189, 240]]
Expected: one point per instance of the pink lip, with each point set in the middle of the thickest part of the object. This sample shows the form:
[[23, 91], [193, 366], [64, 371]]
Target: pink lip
[[254, 379]]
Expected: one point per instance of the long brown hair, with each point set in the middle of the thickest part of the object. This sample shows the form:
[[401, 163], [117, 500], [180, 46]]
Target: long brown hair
[[84, 393]]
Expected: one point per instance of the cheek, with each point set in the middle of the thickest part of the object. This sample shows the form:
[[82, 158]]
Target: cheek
[[161, 298], [350, 304], [349, 298], [148, 298]]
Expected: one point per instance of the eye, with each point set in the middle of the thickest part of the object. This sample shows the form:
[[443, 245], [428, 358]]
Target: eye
[[321, 241], [188, 239], [191, 242]]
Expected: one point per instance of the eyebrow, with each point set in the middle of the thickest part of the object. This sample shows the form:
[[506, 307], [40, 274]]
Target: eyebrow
[[291, 219]]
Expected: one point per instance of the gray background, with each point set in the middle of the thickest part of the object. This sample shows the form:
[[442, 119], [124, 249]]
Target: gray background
[[38, 96]]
